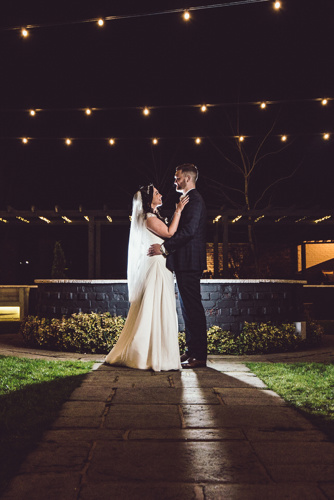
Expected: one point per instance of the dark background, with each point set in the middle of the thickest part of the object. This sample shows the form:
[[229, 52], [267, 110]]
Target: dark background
[[246, 53], [233, 56]]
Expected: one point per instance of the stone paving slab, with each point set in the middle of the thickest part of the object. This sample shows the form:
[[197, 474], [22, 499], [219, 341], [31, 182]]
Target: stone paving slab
[[249, 379], [226, 366], [300, 453], [328, 489], [239, 416], [247, 392], [171, 395], [284, 434], [310, 473], [129, 416], [141, 491], [187, 434], [78, 408], [90, 392], [50, 457], [243, 401], [108, 378], [263, 492], [50, 486], [81, 422], [179, 462], [63, 436], [206, 380]]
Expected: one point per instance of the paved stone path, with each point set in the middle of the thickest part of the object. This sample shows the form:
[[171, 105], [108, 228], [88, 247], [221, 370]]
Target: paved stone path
[[210, 433]]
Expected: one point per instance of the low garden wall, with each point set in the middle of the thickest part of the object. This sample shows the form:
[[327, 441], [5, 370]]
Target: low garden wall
[[228, 303]]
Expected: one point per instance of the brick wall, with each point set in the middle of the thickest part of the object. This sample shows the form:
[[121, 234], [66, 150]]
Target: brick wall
[[227, 303]]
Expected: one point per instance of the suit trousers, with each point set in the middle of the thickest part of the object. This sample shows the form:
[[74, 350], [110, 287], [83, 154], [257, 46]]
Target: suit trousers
[[189, 286]]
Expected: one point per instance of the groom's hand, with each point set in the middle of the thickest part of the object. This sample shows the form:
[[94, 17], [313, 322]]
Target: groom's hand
[[154, 250]]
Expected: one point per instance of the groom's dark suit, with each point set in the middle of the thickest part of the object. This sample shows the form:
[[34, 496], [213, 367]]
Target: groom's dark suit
[[187, 258]]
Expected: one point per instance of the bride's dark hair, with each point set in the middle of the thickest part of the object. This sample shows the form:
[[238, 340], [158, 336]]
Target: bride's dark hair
[[147, 197]]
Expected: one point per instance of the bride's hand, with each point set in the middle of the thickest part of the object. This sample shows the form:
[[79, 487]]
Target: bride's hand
[[182, 203]]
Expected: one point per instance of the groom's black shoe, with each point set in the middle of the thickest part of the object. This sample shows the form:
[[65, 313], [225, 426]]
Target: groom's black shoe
[[194, 363], [184, 357]]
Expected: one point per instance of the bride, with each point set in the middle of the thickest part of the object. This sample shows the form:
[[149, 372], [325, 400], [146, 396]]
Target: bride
[[149, 339]]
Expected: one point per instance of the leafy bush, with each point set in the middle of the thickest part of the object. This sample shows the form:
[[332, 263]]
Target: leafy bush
[[221, 341], [314, 333], [95, 333], [266, 338], [98, 333], [182, 341]]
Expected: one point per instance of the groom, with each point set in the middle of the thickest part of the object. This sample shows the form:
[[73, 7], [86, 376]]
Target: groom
[[186, 256]]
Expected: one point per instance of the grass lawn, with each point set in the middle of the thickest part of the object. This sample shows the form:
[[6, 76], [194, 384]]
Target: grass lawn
[[309, 387], [31, 394]]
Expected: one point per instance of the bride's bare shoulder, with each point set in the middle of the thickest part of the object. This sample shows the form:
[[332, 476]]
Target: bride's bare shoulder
[[157, 226]]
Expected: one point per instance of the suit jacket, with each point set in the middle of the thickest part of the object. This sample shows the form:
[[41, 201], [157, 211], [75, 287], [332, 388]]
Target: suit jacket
[[187, 248]]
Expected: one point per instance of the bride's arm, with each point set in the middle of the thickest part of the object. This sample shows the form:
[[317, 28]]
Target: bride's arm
[[159, 228]]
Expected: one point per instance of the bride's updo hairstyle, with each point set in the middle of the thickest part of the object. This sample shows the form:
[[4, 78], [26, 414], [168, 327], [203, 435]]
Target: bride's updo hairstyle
[[147, 197]]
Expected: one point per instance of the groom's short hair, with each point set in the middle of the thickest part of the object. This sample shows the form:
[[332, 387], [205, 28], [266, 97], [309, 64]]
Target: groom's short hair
[[189, 168]]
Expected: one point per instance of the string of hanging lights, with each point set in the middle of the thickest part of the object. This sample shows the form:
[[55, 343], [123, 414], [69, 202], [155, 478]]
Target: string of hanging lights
[[326, 136], [100, 22], [147, 110]]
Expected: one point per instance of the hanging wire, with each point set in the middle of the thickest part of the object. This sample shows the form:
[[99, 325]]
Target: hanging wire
[[137, 16]]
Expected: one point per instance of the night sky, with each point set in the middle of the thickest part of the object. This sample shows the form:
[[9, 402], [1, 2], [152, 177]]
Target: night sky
[[235, 54]]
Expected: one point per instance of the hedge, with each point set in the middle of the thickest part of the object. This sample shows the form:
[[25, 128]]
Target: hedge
[[98, 333]]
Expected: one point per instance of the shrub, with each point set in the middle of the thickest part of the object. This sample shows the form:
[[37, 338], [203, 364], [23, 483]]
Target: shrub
[[221, 341], [314, 333], [95, 333], [98, 333], [265, 338]]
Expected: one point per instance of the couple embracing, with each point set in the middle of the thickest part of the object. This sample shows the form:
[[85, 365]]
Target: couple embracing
[[149, 339]]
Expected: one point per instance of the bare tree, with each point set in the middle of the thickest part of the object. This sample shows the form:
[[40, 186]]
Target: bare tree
[[246, 165]]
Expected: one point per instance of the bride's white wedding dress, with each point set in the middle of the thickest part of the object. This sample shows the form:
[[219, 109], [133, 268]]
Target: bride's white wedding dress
[[149, 339]]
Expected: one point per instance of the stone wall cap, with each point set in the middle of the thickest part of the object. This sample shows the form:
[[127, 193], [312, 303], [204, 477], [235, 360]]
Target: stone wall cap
[[18, 286], [319, 286], [233, 281], [90, 282], [213, 281]]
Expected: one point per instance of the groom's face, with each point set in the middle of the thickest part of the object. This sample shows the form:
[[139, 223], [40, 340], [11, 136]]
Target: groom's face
[[180, 181]]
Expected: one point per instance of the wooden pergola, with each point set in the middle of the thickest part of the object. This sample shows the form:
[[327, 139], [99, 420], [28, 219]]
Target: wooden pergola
[[218, 220]]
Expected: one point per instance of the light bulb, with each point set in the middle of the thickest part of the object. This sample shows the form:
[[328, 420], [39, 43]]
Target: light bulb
[[326, 136], [155, 141], [241, 138], [198, 140], [25, 140], [263, 105], [324, 102], [100, 22], [203, 108], [24, 32], [32, 112], [88, 111], [146, 111], [283, 138], [277, 5], [111, 142], [186, 15], [68, 142]]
